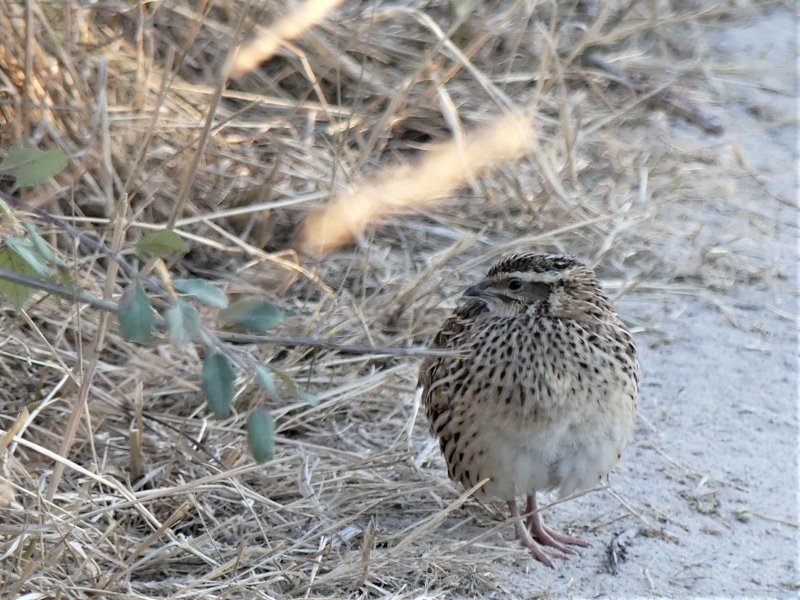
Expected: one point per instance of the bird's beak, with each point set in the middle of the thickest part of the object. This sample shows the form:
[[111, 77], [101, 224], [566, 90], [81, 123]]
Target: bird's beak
[[478, 290]]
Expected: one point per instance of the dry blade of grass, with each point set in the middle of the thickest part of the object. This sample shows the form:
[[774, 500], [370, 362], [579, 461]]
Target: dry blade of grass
[[288, 28], [440, 171]]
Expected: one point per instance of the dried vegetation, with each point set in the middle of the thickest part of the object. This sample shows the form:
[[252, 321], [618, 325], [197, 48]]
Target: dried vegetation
[[356, 502]]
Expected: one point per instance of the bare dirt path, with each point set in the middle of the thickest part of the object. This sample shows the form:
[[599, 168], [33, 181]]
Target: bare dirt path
[[713, 466]]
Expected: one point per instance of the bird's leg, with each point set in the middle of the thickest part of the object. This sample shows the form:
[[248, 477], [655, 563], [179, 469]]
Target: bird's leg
[[524, 536], [544, 534]]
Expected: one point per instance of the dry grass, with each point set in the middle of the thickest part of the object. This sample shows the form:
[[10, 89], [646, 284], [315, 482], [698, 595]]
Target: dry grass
[[440, 172], [356, 502]]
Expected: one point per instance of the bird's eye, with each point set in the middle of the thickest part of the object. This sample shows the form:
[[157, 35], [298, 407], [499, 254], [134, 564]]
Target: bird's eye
[[515, 285]]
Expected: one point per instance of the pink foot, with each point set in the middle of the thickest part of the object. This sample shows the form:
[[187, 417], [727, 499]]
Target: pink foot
[[524, 536], [548, 536]]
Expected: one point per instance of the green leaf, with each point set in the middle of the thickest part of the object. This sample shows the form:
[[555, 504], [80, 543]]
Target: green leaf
[[32, 166], [261, 435], [183, 323], [310, 399], [290, 383], [137, 319], [41, 246], [161, 243], [218, 380], [15, 292], [251, 313], [5, 212], [265, 380], [202, 290], [26, 251], [206, 339]]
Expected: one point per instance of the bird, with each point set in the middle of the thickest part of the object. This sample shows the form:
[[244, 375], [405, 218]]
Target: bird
[[539, 391]]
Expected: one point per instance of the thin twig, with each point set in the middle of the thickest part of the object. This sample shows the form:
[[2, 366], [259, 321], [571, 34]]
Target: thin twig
[[327, 345], [76, 295], [83, 297]]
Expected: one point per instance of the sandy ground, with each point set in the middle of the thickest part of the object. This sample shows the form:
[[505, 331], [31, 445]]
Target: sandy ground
[[713, 466]]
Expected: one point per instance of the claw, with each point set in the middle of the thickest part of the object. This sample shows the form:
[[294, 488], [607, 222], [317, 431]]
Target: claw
[[548, 536], [534, 527], [524, 536]]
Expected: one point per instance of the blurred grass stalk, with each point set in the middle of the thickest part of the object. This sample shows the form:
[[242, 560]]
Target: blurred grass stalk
[[440, 171]]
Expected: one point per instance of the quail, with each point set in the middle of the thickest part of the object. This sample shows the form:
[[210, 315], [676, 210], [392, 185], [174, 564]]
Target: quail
[[539, 392]]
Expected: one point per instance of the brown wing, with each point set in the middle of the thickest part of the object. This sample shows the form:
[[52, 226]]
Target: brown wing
[[438, 373]]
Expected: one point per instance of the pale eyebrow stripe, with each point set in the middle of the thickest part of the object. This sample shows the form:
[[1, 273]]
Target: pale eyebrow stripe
[[530, 277]]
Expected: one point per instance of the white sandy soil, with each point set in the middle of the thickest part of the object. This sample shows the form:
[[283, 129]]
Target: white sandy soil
[[713, 466]]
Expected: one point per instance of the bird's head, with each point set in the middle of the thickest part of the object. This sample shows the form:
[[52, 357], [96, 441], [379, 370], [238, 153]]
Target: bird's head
[[557, 285]]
